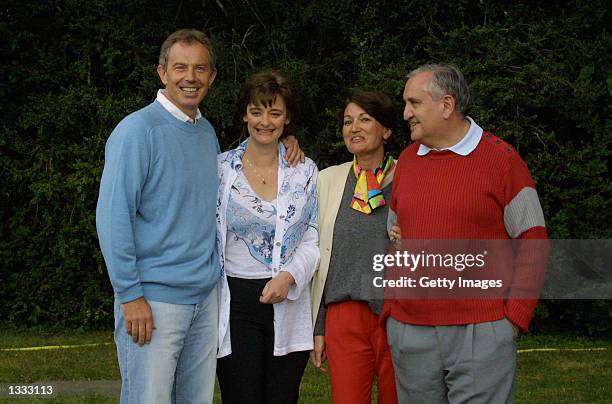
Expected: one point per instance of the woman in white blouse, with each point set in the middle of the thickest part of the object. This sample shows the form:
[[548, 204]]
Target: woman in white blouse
[[267, 236]]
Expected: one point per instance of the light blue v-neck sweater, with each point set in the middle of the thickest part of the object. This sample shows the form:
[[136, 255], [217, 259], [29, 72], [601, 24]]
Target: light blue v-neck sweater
[[156, 208]]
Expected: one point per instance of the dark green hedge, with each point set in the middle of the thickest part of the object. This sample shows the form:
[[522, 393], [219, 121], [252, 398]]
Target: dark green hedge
[[540, 74]]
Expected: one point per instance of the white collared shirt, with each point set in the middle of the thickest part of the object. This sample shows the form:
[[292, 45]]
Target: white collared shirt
[[174, 110], [465, 146]]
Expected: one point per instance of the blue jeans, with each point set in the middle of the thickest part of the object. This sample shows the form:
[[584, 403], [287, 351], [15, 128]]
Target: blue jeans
[[178, 365]]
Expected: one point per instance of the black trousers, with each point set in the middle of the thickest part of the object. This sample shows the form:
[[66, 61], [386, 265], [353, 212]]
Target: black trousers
[[251, 373]]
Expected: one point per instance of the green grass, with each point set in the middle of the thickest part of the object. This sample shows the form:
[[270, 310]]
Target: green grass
[[564, 376], [543, 377], [87, 363]]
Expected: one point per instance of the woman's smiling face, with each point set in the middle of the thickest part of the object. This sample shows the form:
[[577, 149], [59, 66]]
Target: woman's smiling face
[[266, 123], [362, 133]]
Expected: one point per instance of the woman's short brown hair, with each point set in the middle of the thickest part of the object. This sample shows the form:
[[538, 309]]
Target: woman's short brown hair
[[376, 104], [262, 89]]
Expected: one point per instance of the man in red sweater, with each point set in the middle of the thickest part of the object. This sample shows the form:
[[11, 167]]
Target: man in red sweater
[[456, 182]]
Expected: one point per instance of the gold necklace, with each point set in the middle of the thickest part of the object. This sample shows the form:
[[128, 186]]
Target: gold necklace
[[263, 179]]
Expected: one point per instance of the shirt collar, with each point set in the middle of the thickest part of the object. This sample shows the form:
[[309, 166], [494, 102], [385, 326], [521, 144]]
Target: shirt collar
[[174, 110], [465, 146]]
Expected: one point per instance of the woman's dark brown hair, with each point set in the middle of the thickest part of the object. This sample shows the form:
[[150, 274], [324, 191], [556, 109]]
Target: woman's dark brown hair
[[262, 89], [378, 105]]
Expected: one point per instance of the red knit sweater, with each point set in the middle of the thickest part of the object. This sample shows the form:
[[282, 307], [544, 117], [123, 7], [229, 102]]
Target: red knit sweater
[[488, 194]]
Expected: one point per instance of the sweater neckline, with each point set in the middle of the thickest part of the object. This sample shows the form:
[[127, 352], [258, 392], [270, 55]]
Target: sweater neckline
[[440, 155], [183, 126]]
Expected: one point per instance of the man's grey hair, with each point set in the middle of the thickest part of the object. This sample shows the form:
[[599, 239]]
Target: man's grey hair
[[189, 36], [446, 79]]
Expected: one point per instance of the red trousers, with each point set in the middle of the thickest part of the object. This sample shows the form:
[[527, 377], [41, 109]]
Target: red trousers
[[357, 349]]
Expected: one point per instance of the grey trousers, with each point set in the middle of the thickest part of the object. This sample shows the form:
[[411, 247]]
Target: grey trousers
[[473, 363]]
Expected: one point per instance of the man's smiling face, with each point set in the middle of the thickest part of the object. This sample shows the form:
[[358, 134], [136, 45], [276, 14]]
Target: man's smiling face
[[187, 75], [423, 112]]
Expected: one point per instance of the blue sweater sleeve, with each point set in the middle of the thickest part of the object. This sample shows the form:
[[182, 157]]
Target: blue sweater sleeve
[[127, 156], [217, 142]]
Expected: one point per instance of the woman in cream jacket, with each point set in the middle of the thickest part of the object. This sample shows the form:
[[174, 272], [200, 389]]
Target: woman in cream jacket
[[352, 228]]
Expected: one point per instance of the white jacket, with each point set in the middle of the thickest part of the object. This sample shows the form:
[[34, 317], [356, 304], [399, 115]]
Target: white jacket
[[295, 249]]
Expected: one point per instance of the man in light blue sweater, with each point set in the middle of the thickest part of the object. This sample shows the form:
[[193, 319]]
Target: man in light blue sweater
[[156, 224]]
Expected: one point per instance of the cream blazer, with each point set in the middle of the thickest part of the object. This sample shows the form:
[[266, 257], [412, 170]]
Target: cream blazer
[[330, 187]]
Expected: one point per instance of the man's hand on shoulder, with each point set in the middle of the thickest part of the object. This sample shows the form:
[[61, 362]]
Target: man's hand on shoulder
[[138, 320], [294, 154]]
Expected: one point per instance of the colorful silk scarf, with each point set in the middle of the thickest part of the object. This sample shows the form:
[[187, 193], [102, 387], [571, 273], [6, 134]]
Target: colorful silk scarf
[[368, 193]]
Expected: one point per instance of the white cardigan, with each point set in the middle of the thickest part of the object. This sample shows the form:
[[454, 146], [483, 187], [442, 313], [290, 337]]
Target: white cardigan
[[295, 249]]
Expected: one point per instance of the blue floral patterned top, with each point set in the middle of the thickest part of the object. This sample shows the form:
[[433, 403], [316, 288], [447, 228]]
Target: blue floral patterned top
[[251, 223]]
